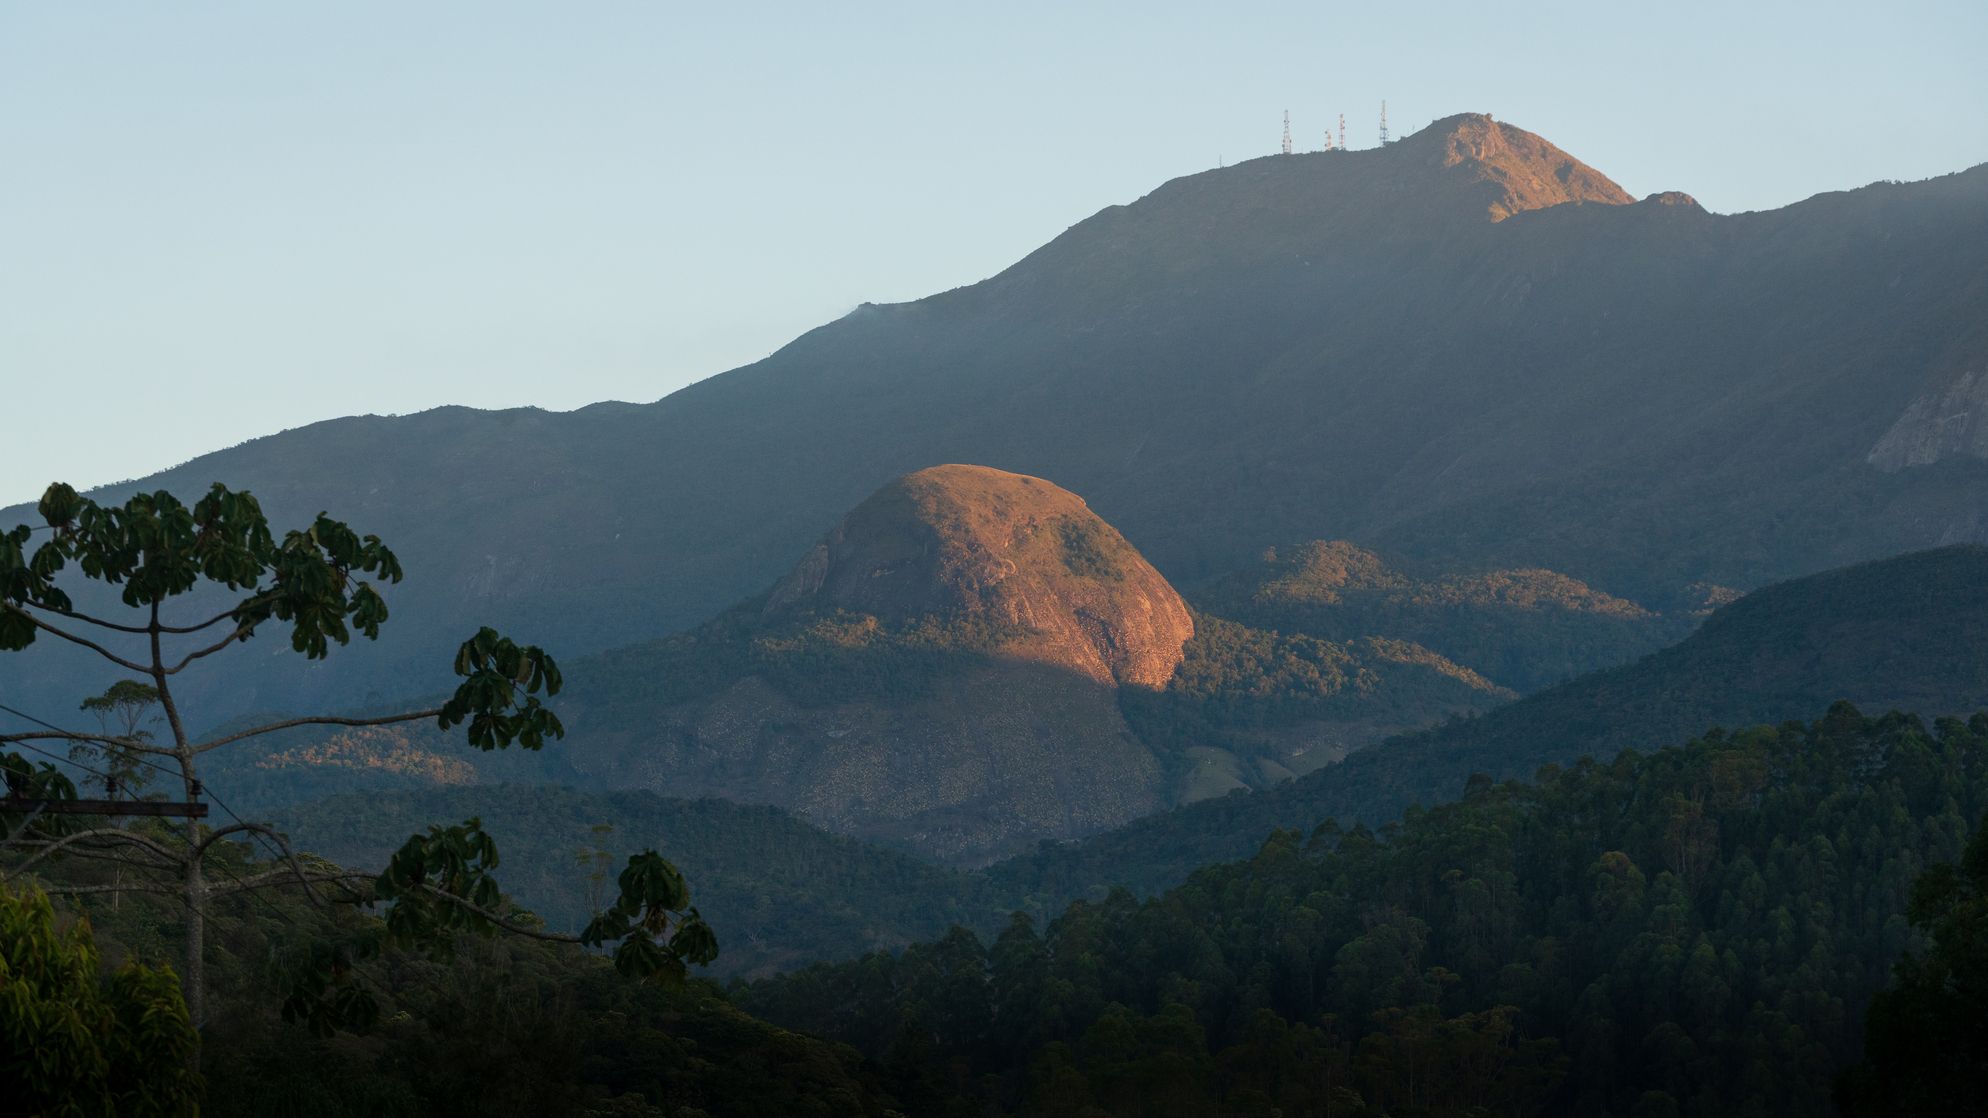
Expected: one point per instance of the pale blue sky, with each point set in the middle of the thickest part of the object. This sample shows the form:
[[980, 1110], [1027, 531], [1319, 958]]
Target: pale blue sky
[[221, 220]]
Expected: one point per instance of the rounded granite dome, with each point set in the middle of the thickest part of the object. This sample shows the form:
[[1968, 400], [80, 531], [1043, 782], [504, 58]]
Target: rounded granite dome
[[1023, 556]]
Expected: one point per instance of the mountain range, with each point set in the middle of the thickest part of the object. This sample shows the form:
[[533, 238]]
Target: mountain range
[[1901, 634], [1464, 349], [970, 663], [1356, 632], [1905, 634]]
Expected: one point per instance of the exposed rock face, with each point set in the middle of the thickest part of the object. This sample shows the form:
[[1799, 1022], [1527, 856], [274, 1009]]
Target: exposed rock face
[[998, 757], [1529, 172], [1942, 424], [943, 670], [1672, 198], [1022, 556], [1324, 571]]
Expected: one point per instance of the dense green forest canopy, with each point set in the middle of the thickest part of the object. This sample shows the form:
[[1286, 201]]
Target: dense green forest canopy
[[1692, 931], [786, 893], [502, 1027]]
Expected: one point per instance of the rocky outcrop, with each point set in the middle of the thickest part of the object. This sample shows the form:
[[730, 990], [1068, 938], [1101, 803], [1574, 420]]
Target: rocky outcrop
[[1025, 560], [1941, 424], [997, 757], [1528, 172]]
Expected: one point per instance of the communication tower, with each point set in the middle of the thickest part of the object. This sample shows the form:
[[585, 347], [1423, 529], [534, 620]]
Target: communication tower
[[1383, 123], [1328, 140], [1342, 131], [1287, 131]]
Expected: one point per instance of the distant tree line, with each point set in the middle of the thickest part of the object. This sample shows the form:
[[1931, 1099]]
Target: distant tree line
[[1694, 931]]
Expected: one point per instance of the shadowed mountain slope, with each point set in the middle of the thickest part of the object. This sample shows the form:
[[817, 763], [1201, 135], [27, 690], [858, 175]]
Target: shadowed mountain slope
[[1465, 349], [971, 662], [1908, 634]]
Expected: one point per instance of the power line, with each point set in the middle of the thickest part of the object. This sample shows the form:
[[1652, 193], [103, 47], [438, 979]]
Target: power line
[[70, 760], [201, 786], [222, 866]]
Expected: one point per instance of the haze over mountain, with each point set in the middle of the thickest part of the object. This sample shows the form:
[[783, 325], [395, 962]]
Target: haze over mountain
[[1466, 349], [970, 663], [1903, 634], [941, 670]]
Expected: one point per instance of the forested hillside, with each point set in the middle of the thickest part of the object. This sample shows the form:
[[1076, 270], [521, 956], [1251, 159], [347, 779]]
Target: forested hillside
[[1904, 634], [971, 663], [786, 893], [1525, 629], [1692, 931], [499, 1027]]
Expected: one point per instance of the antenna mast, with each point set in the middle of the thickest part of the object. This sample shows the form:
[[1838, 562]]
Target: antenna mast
[[1342, 131], [1287, 131], [1383, 123]]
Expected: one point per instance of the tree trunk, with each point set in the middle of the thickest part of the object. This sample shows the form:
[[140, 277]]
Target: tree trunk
[[194, 982]]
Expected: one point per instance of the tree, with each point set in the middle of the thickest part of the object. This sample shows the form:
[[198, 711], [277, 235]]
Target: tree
[[594, 860], [1926, 1038], [318, 585], [128, 705], [75, 1043]]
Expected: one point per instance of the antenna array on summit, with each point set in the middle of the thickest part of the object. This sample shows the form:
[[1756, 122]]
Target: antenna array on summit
[[1334, 141]]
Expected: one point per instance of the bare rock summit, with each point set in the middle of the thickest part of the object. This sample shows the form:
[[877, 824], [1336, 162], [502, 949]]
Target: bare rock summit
[[1021, 558]]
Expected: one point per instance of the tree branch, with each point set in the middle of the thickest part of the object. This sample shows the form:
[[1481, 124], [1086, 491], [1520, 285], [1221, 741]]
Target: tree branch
[[292, 872], [218, 618], [124, 887], [388, 720], [282, 845], [84, 617], [241, 632], [104, 854], [515, 929], [132, 744], [74, 639], [51, 846], [346, 877]]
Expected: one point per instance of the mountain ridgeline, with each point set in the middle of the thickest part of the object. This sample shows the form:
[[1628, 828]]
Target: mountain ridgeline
[[1466, 349], [1464, 487], [1908, 634], [1898, 634], [1526, 628]]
